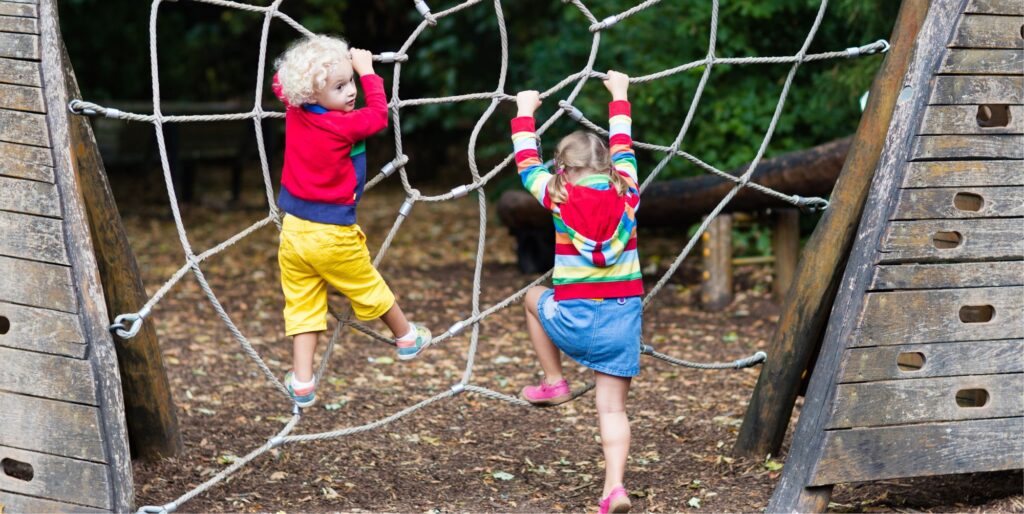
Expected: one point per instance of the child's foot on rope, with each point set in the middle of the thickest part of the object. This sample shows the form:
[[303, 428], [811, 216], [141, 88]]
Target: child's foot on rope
[[616, 501], [303, 395], [547, 394], [409, 347]]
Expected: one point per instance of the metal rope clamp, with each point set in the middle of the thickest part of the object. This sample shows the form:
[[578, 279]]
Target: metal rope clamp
[[135, 318], [605, 23], [813, 204], [571, 110], [158, 509], [392, 57], [424, 10]]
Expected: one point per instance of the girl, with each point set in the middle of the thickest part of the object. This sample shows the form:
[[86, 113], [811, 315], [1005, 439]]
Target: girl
[[593, 312]]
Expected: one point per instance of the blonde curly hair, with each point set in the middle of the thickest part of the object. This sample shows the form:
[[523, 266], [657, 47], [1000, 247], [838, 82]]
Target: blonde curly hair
[[304, 68]]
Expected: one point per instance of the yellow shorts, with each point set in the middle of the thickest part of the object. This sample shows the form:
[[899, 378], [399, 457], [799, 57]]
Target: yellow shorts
[[312, 255]]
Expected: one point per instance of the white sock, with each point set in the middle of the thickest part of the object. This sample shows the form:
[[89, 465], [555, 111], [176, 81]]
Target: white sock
[[297, 384], [411, 334]]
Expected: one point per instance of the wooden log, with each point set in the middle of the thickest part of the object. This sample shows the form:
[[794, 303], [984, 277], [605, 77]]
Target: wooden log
[[1000, 146], [18, 503], [807, 305], [945, 276], [21, 98], [952, 240], [975, 314], [977, 89], [47, 376], [30, 154], [23, 127], [988, 31], [19, 25], [972, 61], [921, 450], [38, 284], [920, 400], [968, 119], [93, 312], [41, 330], [786, 249], [960, 202], [32, 237], [716, 283], [19, 46], [1009, 7], [58, 478], [932, 360], [18, 9], [963, 173], [150, 412], [794, 492], [54, 427], [29, 197], [23, 73]]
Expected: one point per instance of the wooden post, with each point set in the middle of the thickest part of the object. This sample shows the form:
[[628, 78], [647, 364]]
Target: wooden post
[[149, 409], [716, 286], [786, 249], [809, 302]]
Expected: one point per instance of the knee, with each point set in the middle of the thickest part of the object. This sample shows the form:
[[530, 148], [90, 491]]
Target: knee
[[605, 406]]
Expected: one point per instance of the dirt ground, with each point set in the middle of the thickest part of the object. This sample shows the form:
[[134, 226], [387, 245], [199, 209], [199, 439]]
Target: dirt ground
[[468, 453]]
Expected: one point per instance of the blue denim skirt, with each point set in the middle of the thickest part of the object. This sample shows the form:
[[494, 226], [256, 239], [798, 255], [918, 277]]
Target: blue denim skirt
[[603, 335]]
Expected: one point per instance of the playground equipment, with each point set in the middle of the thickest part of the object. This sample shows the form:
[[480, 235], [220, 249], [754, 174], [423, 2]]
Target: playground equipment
[[19, 485]]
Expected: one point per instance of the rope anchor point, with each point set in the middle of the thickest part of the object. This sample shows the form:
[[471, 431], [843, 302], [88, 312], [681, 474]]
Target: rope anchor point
[[134, 318]]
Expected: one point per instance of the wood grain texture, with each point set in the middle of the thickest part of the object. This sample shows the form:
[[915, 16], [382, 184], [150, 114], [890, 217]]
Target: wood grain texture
[[19, 25], [996, 7], [19, 46], [988, 31], [980, 239], [38, 284], [948, 275], [940, 360], [21, 98], [29, 197], [972, 61], [921, 450], [18, 9], [786, 249], [23, 127], [997, 146], [903, 317], [960, 202], [963, 119], [24, 153], [42, 330], [22, 73], [58, 428], [919, 400], [20, 169], [977, 89], [32, 237], [59, 479], [963, 173], [14, 503], [716, 280], [47, 376]]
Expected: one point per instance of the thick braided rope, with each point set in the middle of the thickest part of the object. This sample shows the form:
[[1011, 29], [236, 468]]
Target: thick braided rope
[[577, 80]]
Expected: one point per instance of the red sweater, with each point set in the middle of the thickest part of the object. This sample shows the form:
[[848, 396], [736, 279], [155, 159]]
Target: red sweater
[[324, 155]]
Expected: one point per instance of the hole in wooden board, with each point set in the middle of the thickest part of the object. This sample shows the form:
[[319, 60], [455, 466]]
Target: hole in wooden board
[[910, 361], [971, 397], [17, 469], [968, 202], [945, 240], [977, 313], [5, 325], [992, 115]]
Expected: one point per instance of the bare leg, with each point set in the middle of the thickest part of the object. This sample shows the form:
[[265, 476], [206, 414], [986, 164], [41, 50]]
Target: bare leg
[[611, 414], [395, 319], [303, 348], [548, 354]]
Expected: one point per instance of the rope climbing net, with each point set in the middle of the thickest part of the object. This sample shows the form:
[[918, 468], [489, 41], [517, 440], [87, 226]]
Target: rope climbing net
[[127, 325]]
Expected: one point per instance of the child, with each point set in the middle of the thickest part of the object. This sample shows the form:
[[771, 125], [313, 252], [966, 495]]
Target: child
[[321, 184], [593, 313]]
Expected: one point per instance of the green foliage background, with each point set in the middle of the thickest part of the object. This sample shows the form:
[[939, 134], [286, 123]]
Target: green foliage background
[[209, 53]]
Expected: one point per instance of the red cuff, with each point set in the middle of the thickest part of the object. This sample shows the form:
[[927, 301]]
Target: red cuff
[[618, 107], [523, 124]]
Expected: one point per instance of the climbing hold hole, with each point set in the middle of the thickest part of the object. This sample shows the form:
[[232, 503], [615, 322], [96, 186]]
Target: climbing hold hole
[[910, 361], [971, 397], [945, 240], [5, 325], [977, 313], [968, 202], [17, 469], [990, 116]]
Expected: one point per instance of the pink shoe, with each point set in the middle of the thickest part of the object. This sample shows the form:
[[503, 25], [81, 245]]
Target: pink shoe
[[617, 501], [547, 394]]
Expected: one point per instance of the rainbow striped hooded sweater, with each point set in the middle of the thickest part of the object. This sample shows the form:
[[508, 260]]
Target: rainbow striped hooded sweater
[[595, 228]]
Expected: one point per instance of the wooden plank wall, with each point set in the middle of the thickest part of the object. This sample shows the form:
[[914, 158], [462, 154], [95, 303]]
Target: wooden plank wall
[[62, 436]]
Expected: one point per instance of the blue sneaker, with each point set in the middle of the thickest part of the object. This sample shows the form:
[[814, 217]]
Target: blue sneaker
[[409, 349], [302, 397]]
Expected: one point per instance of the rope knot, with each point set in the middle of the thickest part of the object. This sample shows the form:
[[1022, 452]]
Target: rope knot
[[605, 23], [571, 110], [424, 10]]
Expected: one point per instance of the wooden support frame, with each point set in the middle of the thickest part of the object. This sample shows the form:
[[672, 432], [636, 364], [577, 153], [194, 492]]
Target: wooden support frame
[[716, 280], [785, 248]]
